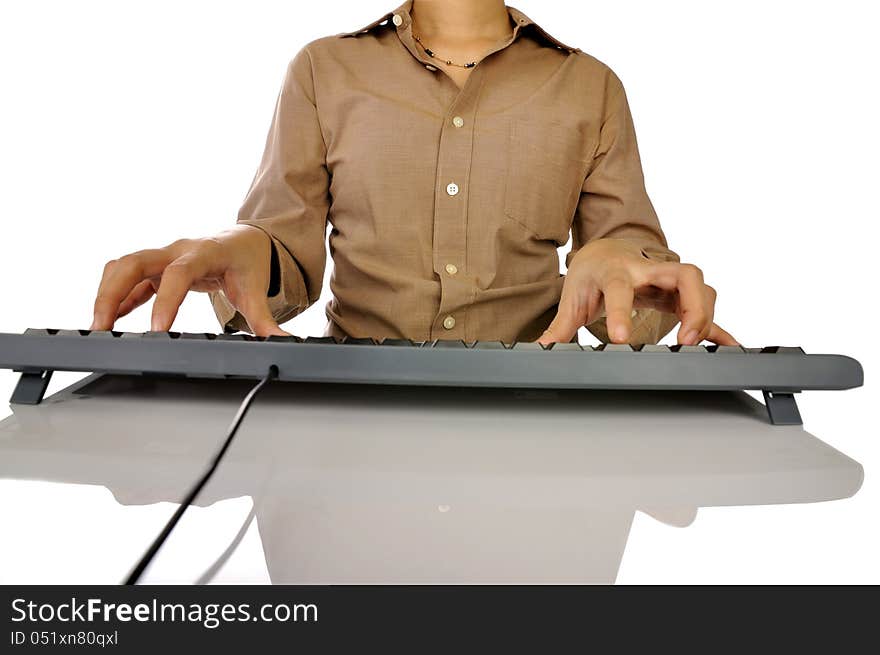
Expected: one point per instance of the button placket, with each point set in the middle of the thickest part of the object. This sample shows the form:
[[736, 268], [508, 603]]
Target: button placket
[[451, 213]]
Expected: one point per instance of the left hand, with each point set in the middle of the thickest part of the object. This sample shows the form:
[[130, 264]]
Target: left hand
[[610, 277]]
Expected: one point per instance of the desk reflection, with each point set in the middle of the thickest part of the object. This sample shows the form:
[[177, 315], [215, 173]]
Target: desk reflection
[[371, 484]]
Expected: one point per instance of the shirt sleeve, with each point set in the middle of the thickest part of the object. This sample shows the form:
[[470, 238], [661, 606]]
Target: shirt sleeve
[[614, 204], [289, 200]]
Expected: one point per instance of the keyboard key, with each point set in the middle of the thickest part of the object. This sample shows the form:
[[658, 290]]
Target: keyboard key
[[400, 342], [681, 348], [617, 348], [104, 334], [567, 346], [489, 345], [319, 340], [739, 350], [446, 343], [528, 345], [73, 333], [161, 335], [654, 348], [352, 341], [237, 337]]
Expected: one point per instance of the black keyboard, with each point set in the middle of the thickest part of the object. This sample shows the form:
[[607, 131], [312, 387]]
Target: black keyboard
[[777, 371]]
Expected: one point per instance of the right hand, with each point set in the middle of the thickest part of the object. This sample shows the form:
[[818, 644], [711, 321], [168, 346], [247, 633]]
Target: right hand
[[235, 262]]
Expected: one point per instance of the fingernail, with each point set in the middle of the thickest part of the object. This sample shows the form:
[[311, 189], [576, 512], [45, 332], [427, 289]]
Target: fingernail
[[620, 334], [690, 337]]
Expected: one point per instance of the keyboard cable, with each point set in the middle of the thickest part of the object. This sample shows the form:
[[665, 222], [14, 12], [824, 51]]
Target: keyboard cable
[[151, 552]]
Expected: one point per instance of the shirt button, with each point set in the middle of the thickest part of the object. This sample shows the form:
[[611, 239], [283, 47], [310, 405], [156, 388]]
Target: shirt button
[[397, 20], [458, 121], [452, 269], [430, 67], [449, 322], [452, 188]]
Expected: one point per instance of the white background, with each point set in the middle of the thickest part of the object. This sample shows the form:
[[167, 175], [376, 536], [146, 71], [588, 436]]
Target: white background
[[125, 125]]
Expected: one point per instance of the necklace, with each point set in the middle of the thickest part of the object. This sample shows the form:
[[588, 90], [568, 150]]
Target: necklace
[[431, 54]]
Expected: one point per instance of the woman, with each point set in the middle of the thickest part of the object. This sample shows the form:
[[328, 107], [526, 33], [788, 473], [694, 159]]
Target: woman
[[453, 146]]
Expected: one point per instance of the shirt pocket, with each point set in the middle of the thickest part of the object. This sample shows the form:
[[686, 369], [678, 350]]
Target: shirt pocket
[[547, 165]]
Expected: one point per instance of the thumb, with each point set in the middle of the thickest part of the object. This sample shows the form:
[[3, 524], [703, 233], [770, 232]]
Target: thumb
[[563, 327]]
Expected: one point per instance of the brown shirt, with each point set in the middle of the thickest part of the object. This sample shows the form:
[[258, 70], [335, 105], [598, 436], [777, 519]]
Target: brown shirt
[[446, 205]]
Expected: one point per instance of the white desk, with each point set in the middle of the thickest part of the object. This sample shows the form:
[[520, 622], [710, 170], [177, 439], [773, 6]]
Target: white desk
[[380, 485]]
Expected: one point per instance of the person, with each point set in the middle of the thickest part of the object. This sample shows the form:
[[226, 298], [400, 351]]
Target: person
[[452, 146]]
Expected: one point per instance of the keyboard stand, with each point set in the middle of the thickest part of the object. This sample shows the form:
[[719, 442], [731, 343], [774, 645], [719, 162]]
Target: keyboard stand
[[782, 408], [31, 387]]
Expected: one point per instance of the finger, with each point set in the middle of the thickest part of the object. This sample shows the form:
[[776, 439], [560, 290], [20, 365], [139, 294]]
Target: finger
[[177, 278], [564, 325], [119, 279], [259, 317], [721, 336], [618, 294], [692, 301], [694, 308], [710, 296], [141, 293]]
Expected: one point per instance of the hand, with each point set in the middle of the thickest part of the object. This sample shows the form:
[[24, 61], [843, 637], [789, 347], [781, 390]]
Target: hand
[[610, 277], [235, 262]]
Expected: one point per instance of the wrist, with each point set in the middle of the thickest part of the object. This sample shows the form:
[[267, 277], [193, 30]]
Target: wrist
[[248, 237], [262, 245], [611, 247]]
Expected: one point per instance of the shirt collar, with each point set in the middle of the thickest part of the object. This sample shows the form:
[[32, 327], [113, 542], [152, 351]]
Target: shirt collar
[[519, 18]]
